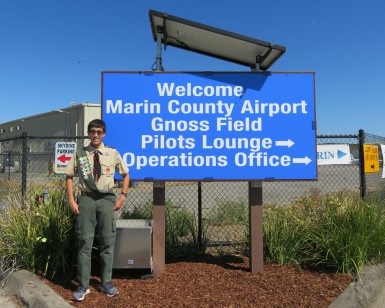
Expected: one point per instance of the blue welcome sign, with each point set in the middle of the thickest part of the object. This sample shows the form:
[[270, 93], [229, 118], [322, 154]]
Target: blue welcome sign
[[212, 125]]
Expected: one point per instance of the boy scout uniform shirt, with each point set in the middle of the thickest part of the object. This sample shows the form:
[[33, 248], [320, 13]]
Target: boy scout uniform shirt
[[110, 161]]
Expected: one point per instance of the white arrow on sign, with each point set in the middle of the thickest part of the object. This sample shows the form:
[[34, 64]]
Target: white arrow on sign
[[304, 160], [284, 143]]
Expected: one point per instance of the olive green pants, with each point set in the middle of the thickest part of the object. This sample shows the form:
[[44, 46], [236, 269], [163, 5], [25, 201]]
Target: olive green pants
[[97, 213]]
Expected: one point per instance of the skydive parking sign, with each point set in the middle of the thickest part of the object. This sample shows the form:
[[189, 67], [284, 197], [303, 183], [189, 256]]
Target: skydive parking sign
[[212, 125], [63, 153]]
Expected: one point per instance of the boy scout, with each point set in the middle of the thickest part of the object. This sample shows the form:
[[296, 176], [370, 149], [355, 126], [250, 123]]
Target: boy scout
[[95, 165]]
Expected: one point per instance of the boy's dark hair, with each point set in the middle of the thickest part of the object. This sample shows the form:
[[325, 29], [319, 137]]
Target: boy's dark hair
[[97, 123]]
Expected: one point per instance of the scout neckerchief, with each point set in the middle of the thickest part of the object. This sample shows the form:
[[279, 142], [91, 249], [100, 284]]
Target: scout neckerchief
[[85, 169]]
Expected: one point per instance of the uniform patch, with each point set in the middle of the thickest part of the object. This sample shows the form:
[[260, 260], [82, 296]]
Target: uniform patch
[[84, 166]]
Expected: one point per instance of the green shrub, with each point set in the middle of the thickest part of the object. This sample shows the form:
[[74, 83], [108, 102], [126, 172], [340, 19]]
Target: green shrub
[[40, 236], [283, 235], [228, 212], [179, 221], [343, 233], [336, 231], [143, 211]]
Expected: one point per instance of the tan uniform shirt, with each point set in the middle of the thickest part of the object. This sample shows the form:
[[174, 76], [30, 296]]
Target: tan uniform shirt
[[110, 161]]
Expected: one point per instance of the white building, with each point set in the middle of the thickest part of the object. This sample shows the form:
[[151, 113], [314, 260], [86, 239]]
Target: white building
[[71, 121]]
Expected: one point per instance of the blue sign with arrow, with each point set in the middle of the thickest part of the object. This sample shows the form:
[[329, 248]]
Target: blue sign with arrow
[[212, 125]]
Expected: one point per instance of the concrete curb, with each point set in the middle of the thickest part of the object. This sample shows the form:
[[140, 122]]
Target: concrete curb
[[33, 292], [367, 291]]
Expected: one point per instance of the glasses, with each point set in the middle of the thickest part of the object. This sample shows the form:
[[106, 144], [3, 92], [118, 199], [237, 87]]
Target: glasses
[[99, 132]]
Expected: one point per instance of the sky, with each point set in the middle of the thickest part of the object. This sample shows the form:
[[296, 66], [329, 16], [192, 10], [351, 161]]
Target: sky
[[53, 52]]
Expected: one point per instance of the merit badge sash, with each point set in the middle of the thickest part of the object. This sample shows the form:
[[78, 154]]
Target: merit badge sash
[[86, 172]]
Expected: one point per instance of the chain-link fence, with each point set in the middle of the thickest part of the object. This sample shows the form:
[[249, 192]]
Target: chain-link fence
[[372, 182], [208, 213]]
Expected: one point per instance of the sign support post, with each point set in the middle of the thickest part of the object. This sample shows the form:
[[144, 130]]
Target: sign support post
[[255, 227], [159, 227]]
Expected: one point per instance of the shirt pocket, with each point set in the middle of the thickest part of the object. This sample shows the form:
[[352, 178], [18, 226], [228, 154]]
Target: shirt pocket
[[108, 168]]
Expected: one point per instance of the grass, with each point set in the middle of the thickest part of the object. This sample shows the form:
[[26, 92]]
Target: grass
[[338, 232], [38, 236]]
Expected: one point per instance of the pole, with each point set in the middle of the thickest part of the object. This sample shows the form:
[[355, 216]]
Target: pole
[[361, 141], [159, 32], [256, 227], [159, 227], [24, 161], [200, 213]]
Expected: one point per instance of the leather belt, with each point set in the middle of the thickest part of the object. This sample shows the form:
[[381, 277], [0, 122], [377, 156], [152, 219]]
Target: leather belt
[[93, 195]]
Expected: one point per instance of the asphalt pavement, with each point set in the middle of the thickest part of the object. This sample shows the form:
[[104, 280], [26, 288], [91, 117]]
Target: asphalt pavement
[[368, 291]]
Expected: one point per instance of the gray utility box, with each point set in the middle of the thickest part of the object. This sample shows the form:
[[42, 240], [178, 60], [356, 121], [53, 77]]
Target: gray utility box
[[133, 244]]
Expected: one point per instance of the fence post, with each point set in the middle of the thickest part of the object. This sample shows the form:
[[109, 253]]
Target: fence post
[[24, 161], [200, 214], [361, 141]]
